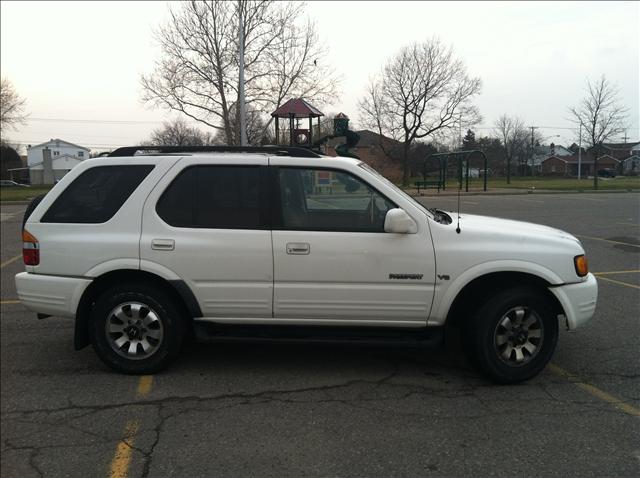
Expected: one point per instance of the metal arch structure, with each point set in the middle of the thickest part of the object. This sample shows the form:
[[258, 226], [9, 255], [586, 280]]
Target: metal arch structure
[[460, 156]]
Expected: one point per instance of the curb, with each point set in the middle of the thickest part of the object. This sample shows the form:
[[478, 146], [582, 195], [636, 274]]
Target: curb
[[522, 192]]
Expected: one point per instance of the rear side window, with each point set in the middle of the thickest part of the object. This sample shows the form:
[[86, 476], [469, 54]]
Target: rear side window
[[97, 194], [215, 197]]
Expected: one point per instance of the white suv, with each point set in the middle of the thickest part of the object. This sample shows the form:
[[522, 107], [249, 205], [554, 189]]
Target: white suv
[[146, 249]]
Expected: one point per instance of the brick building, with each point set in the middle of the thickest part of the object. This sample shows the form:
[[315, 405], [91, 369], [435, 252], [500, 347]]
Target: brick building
[[568, 165], [619, 151], [381, 153]]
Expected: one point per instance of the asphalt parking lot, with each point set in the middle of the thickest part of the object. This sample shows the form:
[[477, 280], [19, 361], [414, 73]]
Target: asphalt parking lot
[[328, 410]]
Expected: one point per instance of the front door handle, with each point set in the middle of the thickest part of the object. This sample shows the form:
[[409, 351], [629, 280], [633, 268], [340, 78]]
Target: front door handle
[[163, 244], [301, 248]]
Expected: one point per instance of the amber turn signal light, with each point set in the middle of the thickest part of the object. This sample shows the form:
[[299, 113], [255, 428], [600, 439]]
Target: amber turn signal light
[[582, 266]]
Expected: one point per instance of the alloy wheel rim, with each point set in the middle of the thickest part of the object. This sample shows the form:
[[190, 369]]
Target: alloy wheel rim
[[134, 330], [518, 336]]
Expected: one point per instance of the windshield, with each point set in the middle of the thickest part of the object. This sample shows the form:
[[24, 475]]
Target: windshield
[[368, 168]]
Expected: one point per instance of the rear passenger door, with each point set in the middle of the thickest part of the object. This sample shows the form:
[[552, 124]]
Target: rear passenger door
[[208, 225]]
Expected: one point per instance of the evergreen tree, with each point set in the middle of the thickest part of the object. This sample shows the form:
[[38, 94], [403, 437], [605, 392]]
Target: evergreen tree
[[469, 141]]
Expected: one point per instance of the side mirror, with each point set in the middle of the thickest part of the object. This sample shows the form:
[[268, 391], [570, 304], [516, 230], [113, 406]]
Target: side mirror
[[399, 222]]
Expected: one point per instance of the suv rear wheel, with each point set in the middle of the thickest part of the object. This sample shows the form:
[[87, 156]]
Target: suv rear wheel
[[136, 329], [32, 205], [512, 336]]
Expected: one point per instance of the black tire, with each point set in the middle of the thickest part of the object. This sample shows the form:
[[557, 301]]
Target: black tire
[[137, 304], [500, 348], [32, 205]]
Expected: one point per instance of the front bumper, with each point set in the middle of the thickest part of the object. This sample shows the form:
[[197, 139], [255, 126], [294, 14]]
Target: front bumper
[[50, 295], [578, 300]]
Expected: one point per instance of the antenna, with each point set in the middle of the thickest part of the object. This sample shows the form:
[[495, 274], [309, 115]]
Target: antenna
[[458, 226]]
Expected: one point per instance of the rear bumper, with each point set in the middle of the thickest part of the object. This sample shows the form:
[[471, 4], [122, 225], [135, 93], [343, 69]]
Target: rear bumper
[[578, 301], [50, 295]]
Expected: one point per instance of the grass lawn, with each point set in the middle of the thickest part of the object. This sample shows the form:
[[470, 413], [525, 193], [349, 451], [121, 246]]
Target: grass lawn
[[558, 184], [22, 194]]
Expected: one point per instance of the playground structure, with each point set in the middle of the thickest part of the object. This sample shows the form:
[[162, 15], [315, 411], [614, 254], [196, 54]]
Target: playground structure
[[463, 158], [295, 111]]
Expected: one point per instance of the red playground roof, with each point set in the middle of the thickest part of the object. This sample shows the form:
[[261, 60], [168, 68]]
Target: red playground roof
[[299, 108]]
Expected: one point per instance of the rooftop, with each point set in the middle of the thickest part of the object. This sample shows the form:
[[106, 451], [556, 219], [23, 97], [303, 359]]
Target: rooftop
[[297, 107]]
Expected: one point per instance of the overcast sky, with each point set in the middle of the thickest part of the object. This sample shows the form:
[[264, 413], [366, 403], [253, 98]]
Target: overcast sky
[[81, 61]]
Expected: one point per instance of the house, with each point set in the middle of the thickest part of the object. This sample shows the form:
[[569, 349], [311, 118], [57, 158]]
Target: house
[[545, 151], [568, 165], [381, 153], [631, 165], [63, 155], [619, 151], [60, 166]]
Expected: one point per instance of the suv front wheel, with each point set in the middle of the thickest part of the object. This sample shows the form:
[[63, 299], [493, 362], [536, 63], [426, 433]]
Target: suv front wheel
[[135, 329], [512, 336]]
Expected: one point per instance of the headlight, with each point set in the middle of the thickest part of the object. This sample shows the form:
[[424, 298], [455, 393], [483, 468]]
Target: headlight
[[581, 264]]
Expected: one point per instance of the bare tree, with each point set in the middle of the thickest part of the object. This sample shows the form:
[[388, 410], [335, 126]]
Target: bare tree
[[198, 72], [601, 116], [12, 111], [422, 90], [512, 133], [254, 125], [179, 133]]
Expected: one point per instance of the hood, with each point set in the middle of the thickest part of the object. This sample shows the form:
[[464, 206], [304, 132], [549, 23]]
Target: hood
[[511, 228], [484, 240]]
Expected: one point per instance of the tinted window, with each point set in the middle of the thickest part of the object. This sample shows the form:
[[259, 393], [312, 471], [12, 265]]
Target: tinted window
[[327, 200], [177, 205], [97, 194], [217, 197]]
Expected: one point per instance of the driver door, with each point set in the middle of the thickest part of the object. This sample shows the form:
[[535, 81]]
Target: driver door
[[333, 262]]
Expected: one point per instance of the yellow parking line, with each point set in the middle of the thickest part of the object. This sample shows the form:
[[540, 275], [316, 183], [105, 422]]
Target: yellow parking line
[[3, 302], [595, 391], [607, 240], [122, 459], [630, 271], [633, 286], [9, 261], [144, 385]]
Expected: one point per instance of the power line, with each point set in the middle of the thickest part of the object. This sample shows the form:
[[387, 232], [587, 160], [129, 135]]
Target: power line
[[97, 146], [101, 121], [105, 121]]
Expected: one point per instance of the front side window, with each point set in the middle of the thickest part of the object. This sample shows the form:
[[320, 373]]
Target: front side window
[[328, 200], [81, 154], [216, 197], [96, 195]]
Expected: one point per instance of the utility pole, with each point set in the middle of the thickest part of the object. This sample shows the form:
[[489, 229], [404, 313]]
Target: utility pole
[[241, 104], [533, 128], [580, 153]]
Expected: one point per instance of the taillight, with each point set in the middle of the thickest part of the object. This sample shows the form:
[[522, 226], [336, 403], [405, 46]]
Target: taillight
[[30, 249]]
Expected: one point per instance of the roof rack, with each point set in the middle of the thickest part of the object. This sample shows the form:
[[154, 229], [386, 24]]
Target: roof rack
[[274, 150]]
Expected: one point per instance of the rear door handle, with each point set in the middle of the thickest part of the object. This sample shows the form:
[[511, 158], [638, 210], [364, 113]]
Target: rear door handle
[[163, 244], [300, 248]]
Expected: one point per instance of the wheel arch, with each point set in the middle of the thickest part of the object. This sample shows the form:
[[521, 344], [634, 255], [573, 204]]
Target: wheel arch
[[178, 290], [480, 289]]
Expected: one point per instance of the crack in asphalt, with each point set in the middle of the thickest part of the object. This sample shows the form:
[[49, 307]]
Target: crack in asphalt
[[374, 392], [34, 451]]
